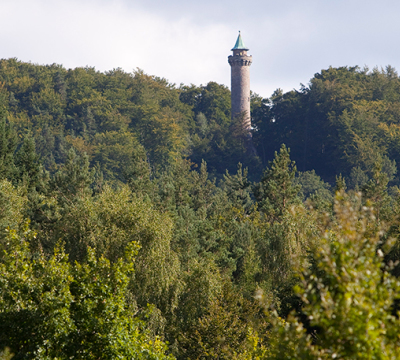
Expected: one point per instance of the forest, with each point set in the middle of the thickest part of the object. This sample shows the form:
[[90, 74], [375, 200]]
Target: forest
[[136, 224]]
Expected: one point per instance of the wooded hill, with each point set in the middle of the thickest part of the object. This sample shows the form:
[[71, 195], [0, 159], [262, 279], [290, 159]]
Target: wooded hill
[[135, 224]]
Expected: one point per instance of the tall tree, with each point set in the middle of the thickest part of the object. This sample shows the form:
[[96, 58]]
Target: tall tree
[[277, 190], [8, 145], [27, 161], [351, 313], [52, 309]]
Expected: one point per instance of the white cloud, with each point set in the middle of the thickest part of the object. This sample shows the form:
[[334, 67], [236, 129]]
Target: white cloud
[[111, 35], [189, 42]]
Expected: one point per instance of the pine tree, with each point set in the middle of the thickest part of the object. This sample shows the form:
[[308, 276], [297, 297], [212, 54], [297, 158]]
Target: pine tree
[[28, 163], [238, 188], [340, 183], [137, 173], [375, 192], [74, 177], [277, 189], [8, 145]]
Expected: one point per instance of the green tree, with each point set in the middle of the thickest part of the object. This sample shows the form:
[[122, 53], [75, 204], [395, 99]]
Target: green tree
[[27, 161], [277, 190], [51, 309], [138, 174], [348, 295], [107, 223], [311, 184], [8, 145], [105, 327], [376, 192], [12, 206], [73, 178], [34, 302], [314, 189], [222, 331], [113, 151], [202, 284]]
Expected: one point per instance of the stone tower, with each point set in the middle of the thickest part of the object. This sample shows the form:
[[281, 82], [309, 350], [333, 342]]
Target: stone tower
[[240, 82]]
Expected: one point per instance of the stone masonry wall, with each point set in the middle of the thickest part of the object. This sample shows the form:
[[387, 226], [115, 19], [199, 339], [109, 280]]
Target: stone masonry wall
[[240, 86]]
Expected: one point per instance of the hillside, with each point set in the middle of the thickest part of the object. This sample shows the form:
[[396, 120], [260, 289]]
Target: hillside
[[134, 223]]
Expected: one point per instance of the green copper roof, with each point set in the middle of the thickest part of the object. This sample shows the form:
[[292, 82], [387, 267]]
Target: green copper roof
[[239, 44]]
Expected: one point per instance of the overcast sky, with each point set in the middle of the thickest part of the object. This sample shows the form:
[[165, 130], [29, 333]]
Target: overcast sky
[[189, 41]]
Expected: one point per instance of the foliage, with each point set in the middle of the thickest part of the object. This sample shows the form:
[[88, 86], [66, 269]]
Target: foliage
[[222, 331], [52, 309], [8, 143], [348, 295], [238, 188], [94, 162], [277, 190], [346, 117], [12, 206]]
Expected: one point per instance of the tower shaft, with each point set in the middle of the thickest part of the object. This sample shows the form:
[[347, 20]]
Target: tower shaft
[[240, 88]]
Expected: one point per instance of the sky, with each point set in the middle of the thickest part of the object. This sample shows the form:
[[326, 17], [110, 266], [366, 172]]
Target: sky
[[188, 41]]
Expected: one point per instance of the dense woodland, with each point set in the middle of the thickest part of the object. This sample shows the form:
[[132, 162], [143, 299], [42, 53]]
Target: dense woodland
[[136, 224]]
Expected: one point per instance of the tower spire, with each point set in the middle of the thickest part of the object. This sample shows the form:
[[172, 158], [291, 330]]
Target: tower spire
[[239, 45]]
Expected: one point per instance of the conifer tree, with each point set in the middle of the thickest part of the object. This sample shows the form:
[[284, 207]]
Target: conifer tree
[[340, 184], [74, 177], [277, 189], [8, 145], [375, 191], [28, 163], [238, 188], [138, 172]]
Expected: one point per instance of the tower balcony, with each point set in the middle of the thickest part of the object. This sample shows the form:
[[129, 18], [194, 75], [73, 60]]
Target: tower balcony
[[240, 60]]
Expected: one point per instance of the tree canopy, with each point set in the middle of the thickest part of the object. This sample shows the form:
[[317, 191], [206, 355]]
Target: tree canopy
[[136, 224]]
